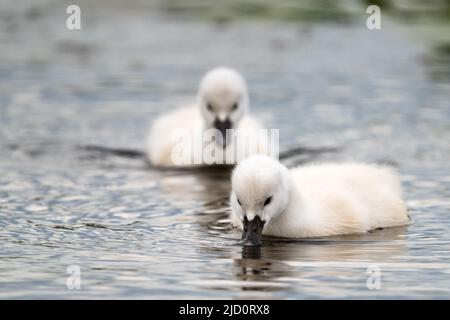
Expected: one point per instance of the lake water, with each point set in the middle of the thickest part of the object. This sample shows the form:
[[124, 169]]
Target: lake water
[[137, 232]]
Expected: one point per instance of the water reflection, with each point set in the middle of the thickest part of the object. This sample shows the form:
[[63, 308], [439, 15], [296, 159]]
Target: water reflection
[[281, 260]]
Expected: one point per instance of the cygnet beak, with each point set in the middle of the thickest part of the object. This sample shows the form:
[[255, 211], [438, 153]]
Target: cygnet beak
[[223, 126], [251, 235]]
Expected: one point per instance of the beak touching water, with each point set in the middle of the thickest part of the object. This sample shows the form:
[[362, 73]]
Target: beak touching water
[[222, 126], [251, 235]]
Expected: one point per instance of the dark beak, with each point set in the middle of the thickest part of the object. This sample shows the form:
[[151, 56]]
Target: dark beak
[[251, 235], [223, 126]]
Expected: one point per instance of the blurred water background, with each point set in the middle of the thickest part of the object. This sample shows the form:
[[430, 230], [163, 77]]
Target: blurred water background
[[314, 71]]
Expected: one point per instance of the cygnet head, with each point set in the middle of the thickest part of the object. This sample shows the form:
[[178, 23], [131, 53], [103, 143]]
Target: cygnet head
[[223, 98], [260, 192]]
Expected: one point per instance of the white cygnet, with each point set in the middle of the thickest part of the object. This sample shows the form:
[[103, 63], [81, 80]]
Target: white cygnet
[[313, 200], [222, 104]]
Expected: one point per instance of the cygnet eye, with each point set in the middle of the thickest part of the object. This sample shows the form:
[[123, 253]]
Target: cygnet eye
[[209, 106], [267, 201], [239, 202], [235, 106]]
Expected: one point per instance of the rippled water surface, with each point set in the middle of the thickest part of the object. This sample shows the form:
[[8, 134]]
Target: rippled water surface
[[138, 232]]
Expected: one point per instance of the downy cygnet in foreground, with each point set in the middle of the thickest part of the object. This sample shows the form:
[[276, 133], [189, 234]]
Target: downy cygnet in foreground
[[313, 200], [222, 104]]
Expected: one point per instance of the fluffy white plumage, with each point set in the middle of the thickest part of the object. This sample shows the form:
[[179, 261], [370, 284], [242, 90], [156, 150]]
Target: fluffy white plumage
[[222, 97], [316, 200]]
